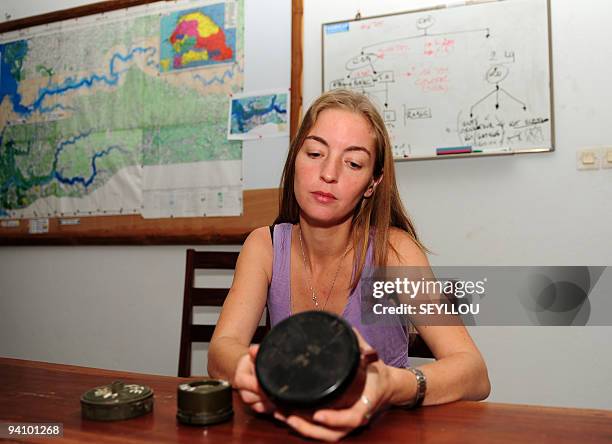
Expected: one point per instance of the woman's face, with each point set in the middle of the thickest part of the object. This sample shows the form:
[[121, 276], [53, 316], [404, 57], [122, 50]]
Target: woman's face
[[334, 167]]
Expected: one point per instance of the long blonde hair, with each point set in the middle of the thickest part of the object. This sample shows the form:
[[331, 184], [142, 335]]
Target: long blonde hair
[[382, 210]]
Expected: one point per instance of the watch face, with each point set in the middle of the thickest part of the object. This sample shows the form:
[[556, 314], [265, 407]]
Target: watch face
[[307, 360]]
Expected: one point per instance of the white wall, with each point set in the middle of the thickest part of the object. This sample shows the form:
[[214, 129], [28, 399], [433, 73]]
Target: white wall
[[522, 210]]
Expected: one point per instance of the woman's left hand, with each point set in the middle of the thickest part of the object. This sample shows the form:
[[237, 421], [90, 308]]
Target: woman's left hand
[[332, 425]]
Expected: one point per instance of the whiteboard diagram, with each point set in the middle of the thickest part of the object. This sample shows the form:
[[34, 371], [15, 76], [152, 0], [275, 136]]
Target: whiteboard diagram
[[466, 80]]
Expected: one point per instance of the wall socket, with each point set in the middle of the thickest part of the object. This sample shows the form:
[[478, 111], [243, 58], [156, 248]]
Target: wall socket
[[588, 158], [606, 158]]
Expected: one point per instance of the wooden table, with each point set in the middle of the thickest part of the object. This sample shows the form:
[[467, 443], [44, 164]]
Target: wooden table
[[41, 392]]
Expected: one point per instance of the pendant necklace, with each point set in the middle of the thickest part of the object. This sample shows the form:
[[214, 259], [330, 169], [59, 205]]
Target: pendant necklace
[[314, 298]]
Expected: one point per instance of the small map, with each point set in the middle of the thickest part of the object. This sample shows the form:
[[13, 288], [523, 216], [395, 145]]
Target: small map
[[254, 116], [199, 37]]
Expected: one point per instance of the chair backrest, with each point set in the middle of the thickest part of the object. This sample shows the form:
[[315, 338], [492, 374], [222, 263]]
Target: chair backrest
[[204, 297], [417, 348]]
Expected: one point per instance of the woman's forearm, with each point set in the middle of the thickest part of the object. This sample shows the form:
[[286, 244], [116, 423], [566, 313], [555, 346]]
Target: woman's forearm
[[461, 376], [223, 356]]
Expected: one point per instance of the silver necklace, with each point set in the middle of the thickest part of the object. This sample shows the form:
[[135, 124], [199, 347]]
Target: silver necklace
[[315, 301]]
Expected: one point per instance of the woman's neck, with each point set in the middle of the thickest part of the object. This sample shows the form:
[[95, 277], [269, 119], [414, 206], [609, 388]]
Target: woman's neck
[[323, 245]]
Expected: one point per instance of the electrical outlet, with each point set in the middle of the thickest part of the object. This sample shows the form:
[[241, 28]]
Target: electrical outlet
[[588, 159], [606, 158]]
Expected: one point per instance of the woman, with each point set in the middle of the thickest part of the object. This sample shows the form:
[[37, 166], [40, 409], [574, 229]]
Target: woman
[[340, 211]]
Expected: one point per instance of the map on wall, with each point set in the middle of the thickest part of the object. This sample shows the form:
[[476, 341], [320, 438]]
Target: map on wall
[[123, 113], [257, 115], [196, 38]]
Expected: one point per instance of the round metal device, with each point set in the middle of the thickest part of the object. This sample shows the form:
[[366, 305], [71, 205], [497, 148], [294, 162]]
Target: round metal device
[[204, 402], [307, 360], [116, 401]]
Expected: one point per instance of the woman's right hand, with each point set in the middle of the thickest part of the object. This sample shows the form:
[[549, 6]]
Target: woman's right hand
[[245, 381]]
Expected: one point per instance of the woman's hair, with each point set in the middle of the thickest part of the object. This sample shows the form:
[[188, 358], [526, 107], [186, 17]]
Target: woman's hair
[[382, 210]]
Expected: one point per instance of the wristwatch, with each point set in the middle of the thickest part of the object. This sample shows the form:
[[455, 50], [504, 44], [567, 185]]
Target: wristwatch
[[421, 387]]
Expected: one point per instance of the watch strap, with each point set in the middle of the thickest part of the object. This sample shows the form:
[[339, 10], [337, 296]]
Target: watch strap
[[421, 381]]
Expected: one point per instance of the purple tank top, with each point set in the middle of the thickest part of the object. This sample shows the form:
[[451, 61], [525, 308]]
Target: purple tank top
[[390, 341]]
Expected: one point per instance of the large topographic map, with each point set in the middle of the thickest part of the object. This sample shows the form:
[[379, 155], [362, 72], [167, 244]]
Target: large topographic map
[[122, 113]]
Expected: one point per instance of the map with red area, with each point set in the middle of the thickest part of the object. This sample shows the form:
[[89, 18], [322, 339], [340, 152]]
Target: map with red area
[[198, 39], [214, 44]]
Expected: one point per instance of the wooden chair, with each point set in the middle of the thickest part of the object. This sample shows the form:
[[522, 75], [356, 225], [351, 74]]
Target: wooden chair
[[417, 348], [204, 297]]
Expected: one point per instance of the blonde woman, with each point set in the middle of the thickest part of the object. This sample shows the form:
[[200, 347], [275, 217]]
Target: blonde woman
[[340, 211]]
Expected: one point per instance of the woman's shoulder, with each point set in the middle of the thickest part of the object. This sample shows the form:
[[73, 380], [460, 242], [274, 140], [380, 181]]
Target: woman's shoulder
[[259, 237], [262, 237], [257, 251], [404, 249]]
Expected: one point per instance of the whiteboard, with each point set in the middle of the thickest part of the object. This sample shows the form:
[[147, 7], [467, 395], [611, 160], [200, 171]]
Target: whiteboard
[[469, 80]]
